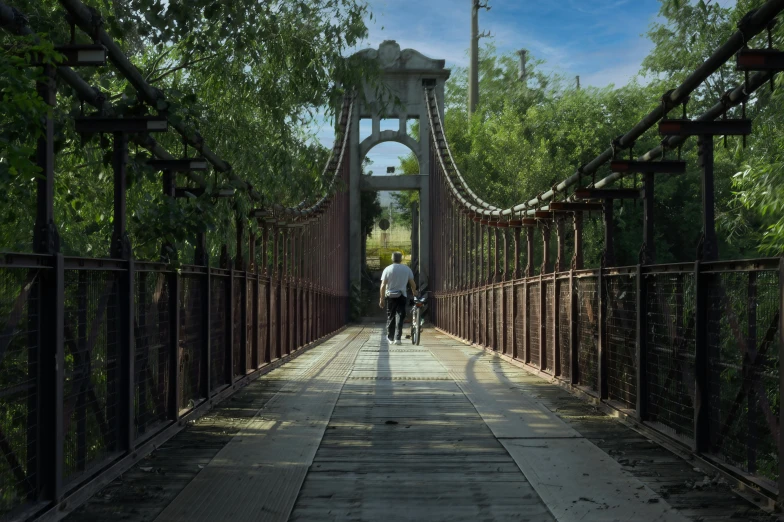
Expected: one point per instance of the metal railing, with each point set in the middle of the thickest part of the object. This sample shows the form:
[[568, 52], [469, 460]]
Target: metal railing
[[692, 351], [194, 334], [101, 360]]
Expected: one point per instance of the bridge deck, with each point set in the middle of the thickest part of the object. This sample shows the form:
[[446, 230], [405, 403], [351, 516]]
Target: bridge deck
[[355, 429]]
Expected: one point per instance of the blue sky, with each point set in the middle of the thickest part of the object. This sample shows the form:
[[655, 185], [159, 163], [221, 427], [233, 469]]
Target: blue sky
[[602, 41]]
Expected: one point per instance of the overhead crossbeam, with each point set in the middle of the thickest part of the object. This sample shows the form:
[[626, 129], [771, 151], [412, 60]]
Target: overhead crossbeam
[[178, 165], [76, 55], [649, 167], [576, 207], [98, 124], [760, 60], [730, 127], [607, 194]]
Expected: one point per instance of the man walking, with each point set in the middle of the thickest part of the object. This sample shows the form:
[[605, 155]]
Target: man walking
[[393, 287]]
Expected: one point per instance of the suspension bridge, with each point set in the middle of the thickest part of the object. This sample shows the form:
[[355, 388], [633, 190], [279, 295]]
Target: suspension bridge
[[135, 390]]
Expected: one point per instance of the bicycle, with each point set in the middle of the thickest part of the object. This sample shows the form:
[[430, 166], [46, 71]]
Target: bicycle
[[416, 319]]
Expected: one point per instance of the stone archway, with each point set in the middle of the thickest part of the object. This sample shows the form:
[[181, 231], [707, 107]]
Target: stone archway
[[403, 77]]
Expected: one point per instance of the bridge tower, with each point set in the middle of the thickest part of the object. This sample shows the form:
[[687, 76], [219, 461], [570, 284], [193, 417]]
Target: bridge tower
[[398, 95]]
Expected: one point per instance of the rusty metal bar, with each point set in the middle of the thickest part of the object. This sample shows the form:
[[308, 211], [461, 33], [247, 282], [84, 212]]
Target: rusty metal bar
[[573, 332], [701, 441], [542, 326], [577, 256], [641, 408], [609, 229], [602, 320], [517, 266], [709, 245], [556, 332], [559, 232], [781, 377]]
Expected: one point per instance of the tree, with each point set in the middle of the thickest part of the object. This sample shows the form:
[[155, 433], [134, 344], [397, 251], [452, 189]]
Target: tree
[[748, 182], [247, 75]]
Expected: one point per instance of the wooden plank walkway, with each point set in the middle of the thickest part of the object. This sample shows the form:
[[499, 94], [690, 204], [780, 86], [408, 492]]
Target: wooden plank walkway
[[359, 430]]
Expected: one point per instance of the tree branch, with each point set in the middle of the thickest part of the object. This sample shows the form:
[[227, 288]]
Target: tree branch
[[183, 66]]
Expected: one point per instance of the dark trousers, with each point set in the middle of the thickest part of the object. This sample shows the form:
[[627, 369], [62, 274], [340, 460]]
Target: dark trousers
[[396, 309]]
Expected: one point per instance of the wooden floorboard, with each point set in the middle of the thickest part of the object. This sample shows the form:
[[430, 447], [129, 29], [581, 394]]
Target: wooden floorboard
[[142, 493], [694, 493], [442, 431], [258, 474], [405, 443]]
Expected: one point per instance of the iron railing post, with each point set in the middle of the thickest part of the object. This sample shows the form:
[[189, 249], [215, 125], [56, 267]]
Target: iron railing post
[[546, 255], [648, 237], [230, 318], [781, 379], [577, 259], [529, 237], [252, 274], [174, 346], [710, 249], [121, 379], [242, 267], [515, 301], [496, 271], [750, 368], [609, 233], [526, 324], [45, 459], [559, 232], [602, 353], [202, 258], [83, 365], [555, 320], [50, 463], [701, 393], [642, 346], [275, 291], [574, 318], [542, 326], [45, 237]]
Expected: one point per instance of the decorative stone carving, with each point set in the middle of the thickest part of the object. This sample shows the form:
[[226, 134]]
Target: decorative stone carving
[[390, 56]]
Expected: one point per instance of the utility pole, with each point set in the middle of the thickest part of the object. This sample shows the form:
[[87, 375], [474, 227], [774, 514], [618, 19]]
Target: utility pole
[[473, 72], [578, 83], [523, 65]]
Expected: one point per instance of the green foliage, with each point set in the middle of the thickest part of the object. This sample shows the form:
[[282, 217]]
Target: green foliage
[[21, 111], [749, 202], [409, 166], [526, 136], [248, 76], [370, 205]]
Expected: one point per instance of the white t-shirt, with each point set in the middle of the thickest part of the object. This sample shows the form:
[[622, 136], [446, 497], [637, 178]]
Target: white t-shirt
[[396, 276]]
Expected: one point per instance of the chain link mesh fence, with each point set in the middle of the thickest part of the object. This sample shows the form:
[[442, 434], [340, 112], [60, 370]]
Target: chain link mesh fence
[[534, 333], [565, 327], [153, 338], [588, 331], [191, 318], [549, 321], [91, 369], [670, 351], [621, 332], [19, 353], [743, 369], [218, 333]]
